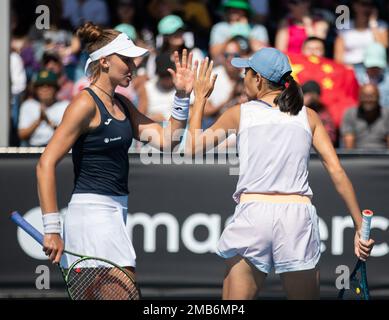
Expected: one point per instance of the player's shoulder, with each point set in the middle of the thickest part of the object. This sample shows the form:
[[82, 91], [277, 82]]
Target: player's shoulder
[[82, 104], [235, 110], [313, 118], [312, 114], [233, 114]]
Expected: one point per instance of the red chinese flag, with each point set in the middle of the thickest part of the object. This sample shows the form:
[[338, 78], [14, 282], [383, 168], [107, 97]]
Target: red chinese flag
[[338, 83]]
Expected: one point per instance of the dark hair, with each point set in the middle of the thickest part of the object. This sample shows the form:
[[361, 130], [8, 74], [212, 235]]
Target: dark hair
[[166, 46], [291, 99], [311, 86], [50, 56], [315, 39], [163, 62], [244, 43]]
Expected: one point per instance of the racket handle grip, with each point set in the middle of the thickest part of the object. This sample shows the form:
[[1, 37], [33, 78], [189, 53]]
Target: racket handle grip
[[367, 215], [22, 223]]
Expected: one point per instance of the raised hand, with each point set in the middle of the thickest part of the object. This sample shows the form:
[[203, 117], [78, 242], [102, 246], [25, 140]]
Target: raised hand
[[203, 82], [183, 76]]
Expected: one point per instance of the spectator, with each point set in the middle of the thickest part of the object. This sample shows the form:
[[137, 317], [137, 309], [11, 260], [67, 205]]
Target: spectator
[[126, 11], [171, 32], [236, 23], [81, 11], [52, 62], [312, 92], [39, 116], [58, 40], [313, 46], [338, 84], [24, 47], [18, 85], [376, 71], [350, 45], [160, 90], [299, 25], [157, 10], [129, 21], [244, 45], [228, 89], [366, 127], [196, 15], [261, 10]]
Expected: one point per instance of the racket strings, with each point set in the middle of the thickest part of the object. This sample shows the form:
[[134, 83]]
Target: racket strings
[[101, 283]]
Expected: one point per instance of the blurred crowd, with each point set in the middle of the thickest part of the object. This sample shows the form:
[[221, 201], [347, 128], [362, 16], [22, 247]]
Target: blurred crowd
[[342, 65]]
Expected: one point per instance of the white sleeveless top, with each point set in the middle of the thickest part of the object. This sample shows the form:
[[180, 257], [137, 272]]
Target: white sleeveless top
[[274, 149]]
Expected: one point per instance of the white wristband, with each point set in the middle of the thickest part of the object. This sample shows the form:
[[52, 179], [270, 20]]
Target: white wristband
[[51, 222], [180, 109]]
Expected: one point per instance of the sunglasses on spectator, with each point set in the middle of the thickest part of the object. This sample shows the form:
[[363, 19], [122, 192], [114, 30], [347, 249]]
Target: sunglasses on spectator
[[231, 54]]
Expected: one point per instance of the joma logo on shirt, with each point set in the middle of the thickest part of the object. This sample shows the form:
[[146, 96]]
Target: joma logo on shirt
[[108, 121]]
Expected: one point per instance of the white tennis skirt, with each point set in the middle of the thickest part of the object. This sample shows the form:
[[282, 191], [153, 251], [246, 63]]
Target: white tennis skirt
[[95, 225]]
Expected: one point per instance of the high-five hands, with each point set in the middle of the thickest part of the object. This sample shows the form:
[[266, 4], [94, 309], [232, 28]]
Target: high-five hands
[[204, 81], [184, 75]]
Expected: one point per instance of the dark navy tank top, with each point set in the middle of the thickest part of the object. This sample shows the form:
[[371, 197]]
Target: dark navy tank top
[[100, 156]]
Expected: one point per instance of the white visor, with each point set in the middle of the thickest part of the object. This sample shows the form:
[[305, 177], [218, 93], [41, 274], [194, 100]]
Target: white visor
[[121, 45]]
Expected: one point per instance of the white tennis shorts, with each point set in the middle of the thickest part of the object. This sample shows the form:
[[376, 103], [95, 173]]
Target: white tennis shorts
[[95, 225], [280, 235]]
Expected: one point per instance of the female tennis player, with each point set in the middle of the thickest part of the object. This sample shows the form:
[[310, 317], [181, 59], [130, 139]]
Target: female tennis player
[[99, 126], [274, 224]]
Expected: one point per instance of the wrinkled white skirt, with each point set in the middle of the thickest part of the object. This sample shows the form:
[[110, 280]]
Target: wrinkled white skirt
[[95, 225]]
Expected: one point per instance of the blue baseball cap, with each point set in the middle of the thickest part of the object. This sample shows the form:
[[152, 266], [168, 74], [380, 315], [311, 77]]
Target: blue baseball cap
[[270, 63]]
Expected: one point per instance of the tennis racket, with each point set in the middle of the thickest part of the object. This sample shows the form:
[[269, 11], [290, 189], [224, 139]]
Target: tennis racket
[[89, 278], [359, 288]]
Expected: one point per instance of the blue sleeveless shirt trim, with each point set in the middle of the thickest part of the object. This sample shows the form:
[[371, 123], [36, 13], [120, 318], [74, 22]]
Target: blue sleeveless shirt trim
[[100, 156]]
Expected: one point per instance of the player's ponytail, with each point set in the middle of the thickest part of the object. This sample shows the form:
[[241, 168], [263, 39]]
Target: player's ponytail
[[291, 99]]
